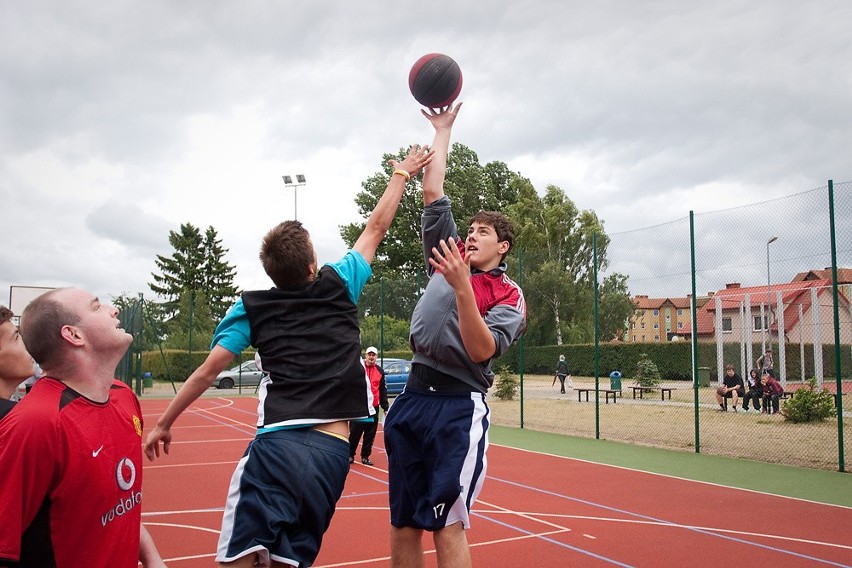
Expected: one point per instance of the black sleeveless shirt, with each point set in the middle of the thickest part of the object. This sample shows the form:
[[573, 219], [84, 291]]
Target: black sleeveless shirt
[[309, 343]]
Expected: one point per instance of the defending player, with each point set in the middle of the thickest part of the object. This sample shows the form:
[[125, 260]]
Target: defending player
[[285, 488]]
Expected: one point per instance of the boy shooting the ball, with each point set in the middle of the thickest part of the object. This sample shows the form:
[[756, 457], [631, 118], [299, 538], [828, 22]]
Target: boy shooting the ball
[[436, 432], [315, 384]]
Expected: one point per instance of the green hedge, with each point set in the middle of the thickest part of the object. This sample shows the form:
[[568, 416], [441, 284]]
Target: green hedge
[[673, 359], [175, 364]]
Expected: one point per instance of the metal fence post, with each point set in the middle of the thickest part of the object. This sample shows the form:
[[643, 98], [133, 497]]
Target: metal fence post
[[837, 366], [694, 309]]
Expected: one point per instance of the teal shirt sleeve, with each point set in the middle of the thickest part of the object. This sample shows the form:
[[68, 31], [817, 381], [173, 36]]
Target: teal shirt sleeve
[[233, 332], [354, 270]]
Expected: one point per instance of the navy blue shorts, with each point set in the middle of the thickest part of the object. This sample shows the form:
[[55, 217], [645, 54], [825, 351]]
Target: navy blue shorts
[[436, 446], [282, 496]]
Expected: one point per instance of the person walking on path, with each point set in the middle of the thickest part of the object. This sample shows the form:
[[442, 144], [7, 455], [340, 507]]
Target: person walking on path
[[562, 373]]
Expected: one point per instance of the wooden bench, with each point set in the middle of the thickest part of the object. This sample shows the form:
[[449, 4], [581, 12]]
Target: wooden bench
[[642, 390], [607, 393]]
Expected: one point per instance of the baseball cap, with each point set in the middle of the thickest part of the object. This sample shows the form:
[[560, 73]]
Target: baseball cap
[[372, 349]]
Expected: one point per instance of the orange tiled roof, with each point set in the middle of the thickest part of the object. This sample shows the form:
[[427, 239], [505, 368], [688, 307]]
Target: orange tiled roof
[[844, 275], [646, 303], [792, 295]]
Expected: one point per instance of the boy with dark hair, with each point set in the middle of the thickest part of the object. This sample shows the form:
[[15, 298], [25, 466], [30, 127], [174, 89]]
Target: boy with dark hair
[[306, 331], [754, 392], [436, 432], [732, 388], [16, 365]]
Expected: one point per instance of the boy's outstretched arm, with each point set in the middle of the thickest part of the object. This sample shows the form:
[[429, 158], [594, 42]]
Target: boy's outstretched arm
[[196, 384], [433, 178], [382, 216]]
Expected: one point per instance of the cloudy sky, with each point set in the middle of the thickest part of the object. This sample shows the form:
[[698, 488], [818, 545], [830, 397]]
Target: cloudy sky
[[121, 120]]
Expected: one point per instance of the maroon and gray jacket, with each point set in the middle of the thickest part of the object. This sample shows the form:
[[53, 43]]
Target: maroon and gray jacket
[[435, 337]]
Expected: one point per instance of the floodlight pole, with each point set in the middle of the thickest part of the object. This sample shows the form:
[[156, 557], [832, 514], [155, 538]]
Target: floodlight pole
[[288, 182], [769, 291]]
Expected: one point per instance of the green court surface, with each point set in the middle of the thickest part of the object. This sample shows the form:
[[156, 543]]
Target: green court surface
[[815, 485]]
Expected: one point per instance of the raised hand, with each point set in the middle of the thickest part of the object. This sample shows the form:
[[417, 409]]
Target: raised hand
[[448, 260], [418, 157], [442, 117]]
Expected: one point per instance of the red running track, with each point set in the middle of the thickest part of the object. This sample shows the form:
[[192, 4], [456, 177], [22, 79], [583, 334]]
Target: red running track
[[535, 509]]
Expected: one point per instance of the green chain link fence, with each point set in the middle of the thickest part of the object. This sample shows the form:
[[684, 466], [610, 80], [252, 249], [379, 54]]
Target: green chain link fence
[[737, 271], [710, 289]]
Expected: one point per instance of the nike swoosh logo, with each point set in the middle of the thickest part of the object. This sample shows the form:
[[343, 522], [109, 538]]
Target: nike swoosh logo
[[96, 452]]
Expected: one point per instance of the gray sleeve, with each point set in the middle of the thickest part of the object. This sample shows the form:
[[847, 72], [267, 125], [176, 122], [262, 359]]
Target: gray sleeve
[[506, 324], [436, 223]]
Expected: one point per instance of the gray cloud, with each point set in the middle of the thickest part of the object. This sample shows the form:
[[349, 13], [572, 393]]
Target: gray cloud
[[120, 121]]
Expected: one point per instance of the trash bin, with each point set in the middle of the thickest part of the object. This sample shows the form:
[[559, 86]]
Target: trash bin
[[615, 380], [147, 380], [703, 376]]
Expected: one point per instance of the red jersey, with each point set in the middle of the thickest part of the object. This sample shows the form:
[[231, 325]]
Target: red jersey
[[375, 376], [75, 466]]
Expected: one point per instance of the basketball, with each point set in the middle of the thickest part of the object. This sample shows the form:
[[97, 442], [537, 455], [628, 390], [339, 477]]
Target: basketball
[[435, 80]]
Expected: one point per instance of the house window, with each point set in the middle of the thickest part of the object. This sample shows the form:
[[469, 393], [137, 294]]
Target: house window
[[657, 338], [656, 326], [633, 325], [680, 312], [643, 325], [680, 325], [656, 312], [757, 322], [726, 325]]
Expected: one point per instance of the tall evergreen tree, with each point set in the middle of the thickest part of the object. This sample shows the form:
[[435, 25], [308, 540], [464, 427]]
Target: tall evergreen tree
[[196, 265], [218, 276]]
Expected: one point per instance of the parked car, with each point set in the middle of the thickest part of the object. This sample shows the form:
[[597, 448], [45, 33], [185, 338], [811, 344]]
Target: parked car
[[250, 376], [396, 374]]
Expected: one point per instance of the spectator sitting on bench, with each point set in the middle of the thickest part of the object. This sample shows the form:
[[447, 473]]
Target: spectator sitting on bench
[[755, 391], [772, 391], [732, 388]]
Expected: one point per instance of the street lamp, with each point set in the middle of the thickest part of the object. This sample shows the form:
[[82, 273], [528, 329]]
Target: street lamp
[[769, 288], [288, 182]]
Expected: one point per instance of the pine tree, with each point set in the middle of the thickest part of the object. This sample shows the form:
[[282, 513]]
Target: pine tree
[[218, 276], [197, 265]]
